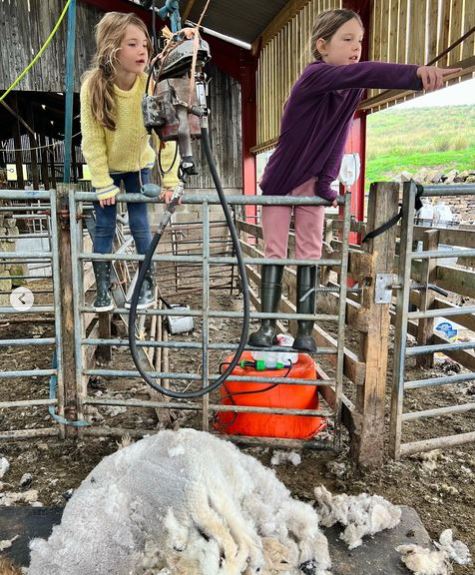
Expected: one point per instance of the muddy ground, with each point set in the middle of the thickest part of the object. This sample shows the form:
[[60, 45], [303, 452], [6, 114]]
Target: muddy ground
[[439, 485]]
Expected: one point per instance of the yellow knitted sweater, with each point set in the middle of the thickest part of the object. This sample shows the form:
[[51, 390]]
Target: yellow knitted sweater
[[125, 149]]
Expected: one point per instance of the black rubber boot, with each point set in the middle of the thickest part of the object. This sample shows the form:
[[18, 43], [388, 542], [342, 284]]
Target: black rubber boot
[[147, 293], [271, 290], [305, 283], [103, 301]]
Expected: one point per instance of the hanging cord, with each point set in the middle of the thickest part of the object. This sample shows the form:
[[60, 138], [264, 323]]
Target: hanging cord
[[39, 54], [394, 220], [143, 270]]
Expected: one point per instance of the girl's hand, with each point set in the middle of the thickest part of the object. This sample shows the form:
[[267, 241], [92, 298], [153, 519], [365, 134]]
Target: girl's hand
[[335, 202], [108, 202], [166, 196], [433, 78]]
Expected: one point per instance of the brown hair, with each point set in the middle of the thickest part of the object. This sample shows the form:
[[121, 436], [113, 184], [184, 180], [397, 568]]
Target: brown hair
[[110, 32], [326, 24]]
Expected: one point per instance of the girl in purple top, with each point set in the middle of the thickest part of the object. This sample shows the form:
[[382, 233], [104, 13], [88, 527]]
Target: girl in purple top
[[314, 129]]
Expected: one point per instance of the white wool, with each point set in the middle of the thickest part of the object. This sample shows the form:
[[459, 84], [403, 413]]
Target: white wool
[[4, 466], [182, 502], [423, 561], [361, 514], [456, 550], [8, 498], [279, 457]]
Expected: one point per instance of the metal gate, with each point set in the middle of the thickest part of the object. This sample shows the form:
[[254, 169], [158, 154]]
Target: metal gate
[[408, 258]]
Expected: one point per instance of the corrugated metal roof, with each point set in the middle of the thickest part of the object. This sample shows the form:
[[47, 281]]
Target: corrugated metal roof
[[241, 19]]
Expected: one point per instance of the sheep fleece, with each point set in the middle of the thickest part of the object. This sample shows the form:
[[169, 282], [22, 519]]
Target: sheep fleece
[[182, 502]]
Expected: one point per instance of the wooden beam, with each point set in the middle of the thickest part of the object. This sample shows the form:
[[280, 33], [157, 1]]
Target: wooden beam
[[368, 442], [282, 18]]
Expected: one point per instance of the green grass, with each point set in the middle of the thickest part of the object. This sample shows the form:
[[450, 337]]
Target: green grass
[[408, 140]]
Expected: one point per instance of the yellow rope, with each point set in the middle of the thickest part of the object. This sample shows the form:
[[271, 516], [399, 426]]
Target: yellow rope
[[39, 54]]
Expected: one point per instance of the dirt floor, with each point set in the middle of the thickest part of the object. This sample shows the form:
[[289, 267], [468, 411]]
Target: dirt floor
[[439, 485]]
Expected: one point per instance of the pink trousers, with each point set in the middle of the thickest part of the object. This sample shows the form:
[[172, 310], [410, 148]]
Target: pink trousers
[[308, 227]]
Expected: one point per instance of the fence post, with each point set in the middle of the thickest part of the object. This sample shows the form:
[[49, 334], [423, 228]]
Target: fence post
[[425, 327], [67, 397], [368, 440]]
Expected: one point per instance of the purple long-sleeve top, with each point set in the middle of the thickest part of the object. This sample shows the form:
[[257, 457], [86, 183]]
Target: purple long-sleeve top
[[317, 118]]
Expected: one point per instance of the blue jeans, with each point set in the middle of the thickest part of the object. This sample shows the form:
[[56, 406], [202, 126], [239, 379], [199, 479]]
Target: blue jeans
[[138, 216]]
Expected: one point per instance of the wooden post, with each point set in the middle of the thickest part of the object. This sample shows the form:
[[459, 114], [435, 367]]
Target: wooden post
[[425, 327], [368, 440], [18, 149], [33, 151], [69, 393], [44, 162]]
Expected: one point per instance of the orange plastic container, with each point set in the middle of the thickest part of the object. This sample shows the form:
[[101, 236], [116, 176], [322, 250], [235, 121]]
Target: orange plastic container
[[283, 396]]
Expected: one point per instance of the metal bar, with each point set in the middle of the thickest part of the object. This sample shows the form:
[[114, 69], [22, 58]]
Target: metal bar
[[448, 190], [78, 296], [27, 403], [198, 259], [31, 341], [442, 312], [28, 277], [27, 373], [455, 346], [191, 377], [215, 407], [38, 309], [400, 340], [24, 237], [451, 409], [459, 378], [205, 321], [213, 199], [26, 255], [341, 320], [282, 443], [437, 254], [436, 443], [222, 314], [25, 195], [68, 116], [194, 345]]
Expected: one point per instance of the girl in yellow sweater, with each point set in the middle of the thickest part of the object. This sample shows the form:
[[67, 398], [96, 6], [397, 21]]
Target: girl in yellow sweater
[[115, 143]]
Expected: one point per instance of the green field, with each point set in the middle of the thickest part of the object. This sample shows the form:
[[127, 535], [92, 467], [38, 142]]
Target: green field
[[408, 140]]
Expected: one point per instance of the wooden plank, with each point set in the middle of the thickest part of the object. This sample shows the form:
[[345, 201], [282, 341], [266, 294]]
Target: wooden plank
[[432, 28], [417, 31], [368, 442], [284, 16], [456, 31], [393, 30], [451, 278], [425, 327], [187, 9], [385, 30], [444, 32], [468, 46], [403, 31]]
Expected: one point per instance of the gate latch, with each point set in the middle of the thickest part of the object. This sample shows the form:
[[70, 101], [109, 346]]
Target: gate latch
[[385, 284]]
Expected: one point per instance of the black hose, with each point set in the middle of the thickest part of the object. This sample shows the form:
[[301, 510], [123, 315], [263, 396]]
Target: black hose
[[245, 291]]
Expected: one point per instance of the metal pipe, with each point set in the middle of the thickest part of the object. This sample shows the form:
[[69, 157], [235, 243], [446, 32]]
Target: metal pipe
[[31, 341], [68, 116], [222, 314], [27, 403], [194, 345], [206, 317], [192, 377], [197, 259], [213, 199], [448, 190], [443, 312], [438, 254], [449, 410], [437, 443], [432, 381], [38, 309], [27, 373], [455, 346]]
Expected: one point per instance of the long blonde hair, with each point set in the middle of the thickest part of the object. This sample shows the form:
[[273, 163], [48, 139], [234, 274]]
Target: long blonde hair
[[326, 24], [110, 32]]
